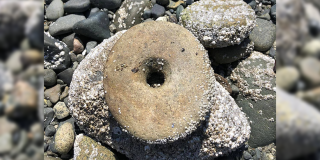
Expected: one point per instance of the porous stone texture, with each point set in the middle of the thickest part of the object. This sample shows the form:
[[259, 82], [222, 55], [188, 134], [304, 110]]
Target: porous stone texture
[[224, 129], [64, 138], [61, 110], [219, 23], [232, 53], [255, 79], [298, 127], [130, 13], [56, 53], [86, 148]]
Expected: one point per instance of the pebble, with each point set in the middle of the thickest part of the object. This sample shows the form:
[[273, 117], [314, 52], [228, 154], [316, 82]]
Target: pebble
[[246, 155], [265, 15], [94, 27], [77, 46], [92, 149], [263, 35], [13, 63], [48, 116], [163, 19], [157, 11], [179, 10], [68, 40], [73, 57], [76, 6], [273, 11], [163, 2], [31, 56], [22, 143], [64, 138], [310, 69], [287, 78], [53, 93], [75, 65], [6, 143], [55, 10], [50, 78], [61, 111], [90, 45], [50, 130], [25, 95], [64, 24], [66, 76], [80, 57], [146, 14], [92, 11], [189, 2], [65, 93], [173, 18], [311, 48], [108, 4]]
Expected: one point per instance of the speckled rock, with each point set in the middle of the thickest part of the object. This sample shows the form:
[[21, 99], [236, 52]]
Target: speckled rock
[[255, 79], [205, 141], [263, 35], [219, 23], [287, 78], [130, 13], [86, 148], [232, 53], [56, 54], [61, 111], [298, 127], [64, 138]]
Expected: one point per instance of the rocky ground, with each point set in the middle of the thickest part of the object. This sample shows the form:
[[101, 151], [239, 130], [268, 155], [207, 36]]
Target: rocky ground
[[244, 64]]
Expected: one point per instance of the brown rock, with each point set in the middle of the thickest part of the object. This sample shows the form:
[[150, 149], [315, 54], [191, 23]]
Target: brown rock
[[138, 87], [32, 57], [53, 93], [77, 46], [25, 95]]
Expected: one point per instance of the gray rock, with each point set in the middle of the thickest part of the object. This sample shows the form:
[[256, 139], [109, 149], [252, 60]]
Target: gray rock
[[76, 6], [163, 2], [108, 4], [55, 10], [311, 48], [157, 11], [66, 76], [56, 54], [273, 11], [13, 63], [50, 130], [80, 57], [298, 127], [232, 53], [50, 78], [189, 2], [68, 40], [73, 57], [287, 78], [263, 35], [95, 27], [53, 93], [6, 143], [265, 15], [146, 14], [23, 141], [252, 3], [90, 45], [64, 138], [93, 10], [255, 79], [48, 116], [64, 24], [179, 10], [61, 111], [310, 69], [130, 13], [246, 155]]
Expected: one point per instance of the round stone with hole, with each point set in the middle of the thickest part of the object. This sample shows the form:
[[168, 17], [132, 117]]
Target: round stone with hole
[[157, 86]]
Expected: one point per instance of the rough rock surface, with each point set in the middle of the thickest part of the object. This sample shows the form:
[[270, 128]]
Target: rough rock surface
[[255, 79], [225, 127], [64, 138], [87, 148], [130, 13], [219, 23]]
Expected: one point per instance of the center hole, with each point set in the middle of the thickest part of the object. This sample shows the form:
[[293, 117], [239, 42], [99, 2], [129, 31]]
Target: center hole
[[155, 79]]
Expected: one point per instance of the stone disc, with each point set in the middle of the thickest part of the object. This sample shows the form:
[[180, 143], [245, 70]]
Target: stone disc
[[157, 82]]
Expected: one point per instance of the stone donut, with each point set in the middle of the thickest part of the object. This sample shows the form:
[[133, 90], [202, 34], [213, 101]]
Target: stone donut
[[224, 128], [175, 101]]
